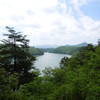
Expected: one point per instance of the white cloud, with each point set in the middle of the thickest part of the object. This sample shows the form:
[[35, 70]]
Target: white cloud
[[50, 21]]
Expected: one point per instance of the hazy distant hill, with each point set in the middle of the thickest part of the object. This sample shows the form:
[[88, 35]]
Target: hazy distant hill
[[47, 49], [78, 45], [81, 44], [36, 51], [68, 49], [46, 46]]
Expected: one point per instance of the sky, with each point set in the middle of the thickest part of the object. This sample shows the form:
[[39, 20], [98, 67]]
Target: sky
[[52, 22]]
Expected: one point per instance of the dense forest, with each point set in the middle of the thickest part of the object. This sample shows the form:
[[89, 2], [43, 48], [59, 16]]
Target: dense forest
[[77, 78]]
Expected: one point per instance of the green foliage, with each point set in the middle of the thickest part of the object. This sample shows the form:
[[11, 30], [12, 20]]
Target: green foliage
[[15, 56], [8, 86], [78, 77]]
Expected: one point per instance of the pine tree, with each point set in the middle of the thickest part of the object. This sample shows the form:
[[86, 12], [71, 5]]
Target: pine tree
[[15, 56]]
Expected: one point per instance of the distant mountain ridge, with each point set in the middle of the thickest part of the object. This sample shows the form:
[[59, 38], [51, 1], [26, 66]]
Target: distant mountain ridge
[[55, 46], [46, 46], [82, 44], [68, 49], [78, 45]]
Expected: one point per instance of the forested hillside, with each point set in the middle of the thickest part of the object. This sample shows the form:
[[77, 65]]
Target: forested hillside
[[67, 49], [77, 78], [36, 51]]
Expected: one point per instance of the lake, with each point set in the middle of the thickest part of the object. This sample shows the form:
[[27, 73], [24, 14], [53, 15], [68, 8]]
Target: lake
[[49, 60]]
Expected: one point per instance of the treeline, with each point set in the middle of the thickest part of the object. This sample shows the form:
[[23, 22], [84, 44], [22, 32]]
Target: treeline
[[77, 78]]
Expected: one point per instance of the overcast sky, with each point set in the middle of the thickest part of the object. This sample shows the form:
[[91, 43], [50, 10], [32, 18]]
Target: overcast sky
[[53, 22]]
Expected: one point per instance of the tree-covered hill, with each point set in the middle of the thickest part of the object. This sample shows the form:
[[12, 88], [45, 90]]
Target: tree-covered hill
[[36, 51], [66, 50], [69, 49]]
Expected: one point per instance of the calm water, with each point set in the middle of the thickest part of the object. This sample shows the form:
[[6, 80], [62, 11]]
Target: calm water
[[49, 60]]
